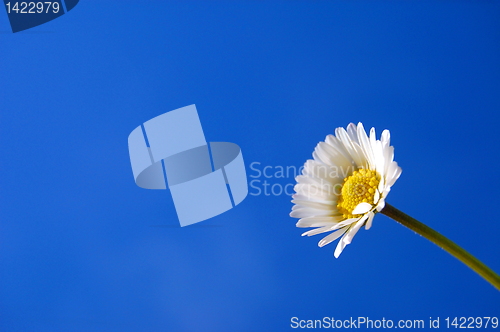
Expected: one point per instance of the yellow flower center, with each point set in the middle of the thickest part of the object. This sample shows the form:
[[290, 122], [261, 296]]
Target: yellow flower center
[[358, 188]]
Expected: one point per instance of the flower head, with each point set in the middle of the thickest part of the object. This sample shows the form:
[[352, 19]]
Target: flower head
[[345, 185]]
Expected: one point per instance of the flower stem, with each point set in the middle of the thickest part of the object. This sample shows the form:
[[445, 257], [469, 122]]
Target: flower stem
[[443, 242]]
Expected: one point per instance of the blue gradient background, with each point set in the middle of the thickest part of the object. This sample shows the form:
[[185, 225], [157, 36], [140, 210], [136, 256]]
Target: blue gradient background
[[82, 248]]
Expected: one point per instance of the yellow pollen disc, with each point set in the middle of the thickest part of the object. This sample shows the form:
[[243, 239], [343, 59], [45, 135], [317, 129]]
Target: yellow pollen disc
[[358, 188]]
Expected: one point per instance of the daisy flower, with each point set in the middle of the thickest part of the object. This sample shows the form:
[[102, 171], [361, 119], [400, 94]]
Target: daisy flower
[[345, 184]]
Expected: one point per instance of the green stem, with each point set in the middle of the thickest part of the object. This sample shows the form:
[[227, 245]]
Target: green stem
[[443, 242]]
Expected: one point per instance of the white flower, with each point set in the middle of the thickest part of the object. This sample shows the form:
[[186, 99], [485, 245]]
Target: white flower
[[345, 185]]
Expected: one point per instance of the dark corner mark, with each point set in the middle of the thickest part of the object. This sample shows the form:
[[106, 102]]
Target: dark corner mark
[[70, 4], [25, 15]]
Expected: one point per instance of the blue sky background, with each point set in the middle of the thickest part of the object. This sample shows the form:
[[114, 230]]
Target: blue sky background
[[82, 248]]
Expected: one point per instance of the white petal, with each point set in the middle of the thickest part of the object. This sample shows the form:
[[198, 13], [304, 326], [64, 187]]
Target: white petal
[[346, 222], [319, 170], [381, 185], [352, 132], [340, 247], [307, 179], [381, 205], [354, 229], [388, 157], [376, 197], [334, 219], [393, 174], [373, 137], [344, 242], [365, 144], [369, 221], [352, 147], [391, 170], [385, 138], [360, 157], [335, 143], [318, 221], [301, 196], [330, 156], [304, 212], [379, 158], [331, 237], [317, 231], [311, 204], [362, 208], [301, 224]]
